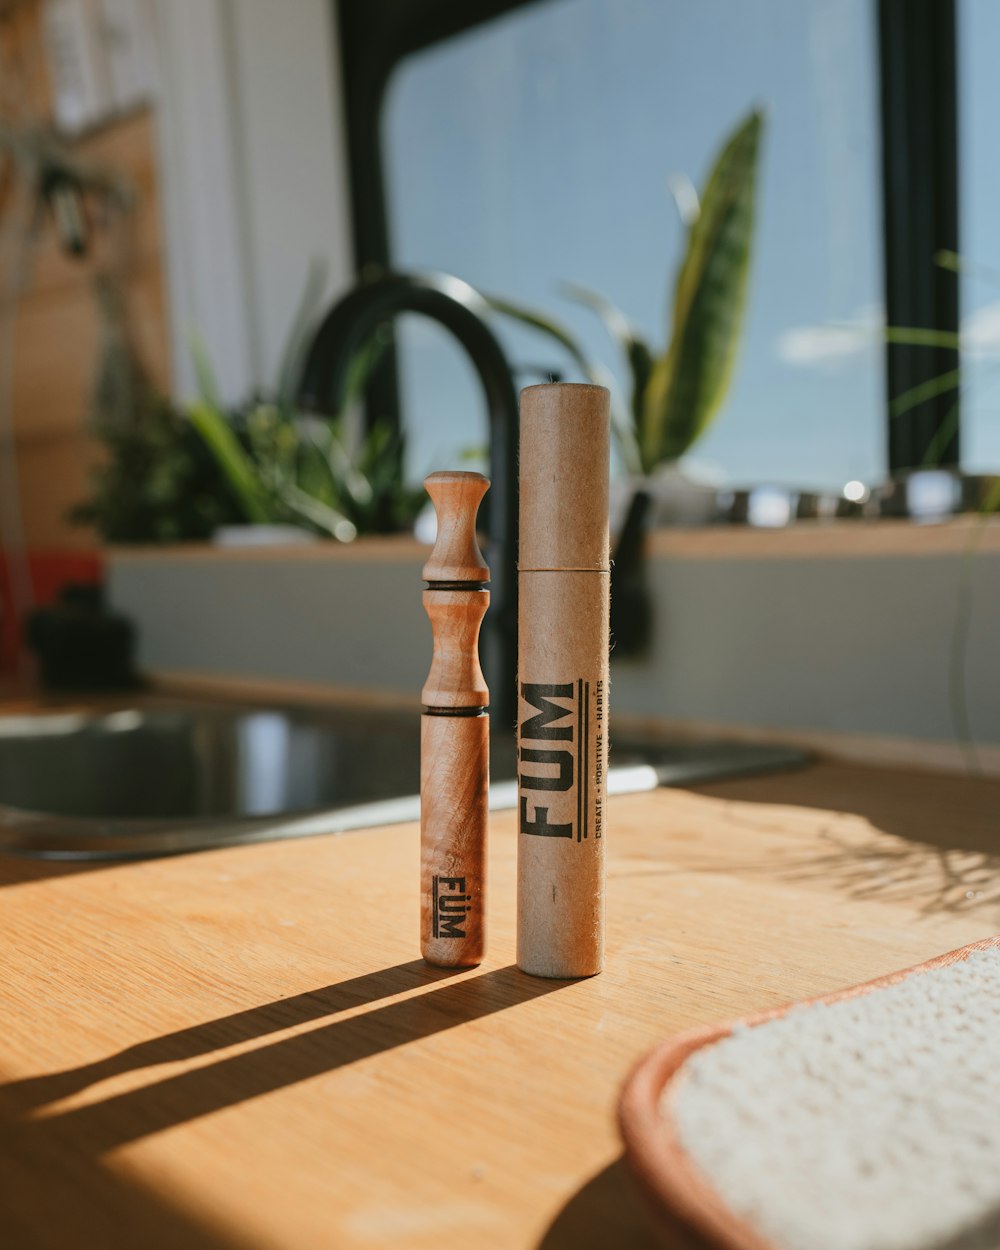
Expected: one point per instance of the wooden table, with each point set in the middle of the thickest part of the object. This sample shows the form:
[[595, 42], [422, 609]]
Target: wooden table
[[239, 1049]]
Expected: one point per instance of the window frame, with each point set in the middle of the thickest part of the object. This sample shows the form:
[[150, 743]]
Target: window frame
[[918, 123], [374, 36]]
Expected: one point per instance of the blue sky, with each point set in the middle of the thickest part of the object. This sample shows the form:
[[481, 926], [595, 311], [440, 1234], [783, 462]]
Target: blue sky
[[538, 148]]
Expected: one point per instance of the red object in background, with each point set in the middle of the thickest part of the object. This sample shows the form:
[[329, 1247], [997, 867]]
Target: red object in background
[[49, 570]]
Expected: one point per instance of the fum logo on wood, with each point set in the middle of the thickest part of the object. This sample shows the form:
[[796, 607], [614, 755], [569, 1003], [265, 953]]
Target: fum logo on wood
[[450, 907]]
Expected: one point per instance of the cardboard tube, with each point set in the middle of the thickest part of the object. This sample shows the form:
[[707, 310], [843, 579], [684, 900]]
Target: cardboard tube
[[454, 733], [563, 589]]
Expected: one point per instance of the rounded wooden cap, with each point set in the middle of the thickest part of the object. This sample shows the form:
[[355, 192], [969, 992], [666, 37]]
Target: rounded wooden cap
[[456, 556], [564, 465]]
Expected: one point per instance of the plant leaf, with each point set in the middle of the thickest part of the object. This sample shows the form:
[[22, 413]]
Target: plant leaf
[[635, 350], [992, 501], [321, 515], [286, 388], [947, 259], [238, 468], [917, 336], [689, 382], [204, 373], [925, 390], [545, 325], [942, 437], [313, 474], [590, 369], [363, 365], [615, 322]]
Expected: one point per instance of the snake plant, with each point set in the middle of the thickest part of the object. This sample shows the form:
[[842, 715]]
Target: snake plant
[[676, 393]]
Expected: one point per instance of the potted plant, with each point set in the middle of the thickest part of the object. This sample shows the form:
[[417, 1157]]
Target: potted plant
[[675, 394], [263, 472], [289, 471], [176, 473]]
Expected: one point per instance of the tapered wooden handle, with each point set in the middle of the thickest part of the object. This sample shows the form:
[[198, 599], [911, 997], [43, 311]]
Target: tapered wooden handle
[[456, 556], [455, 733], [456, 679]]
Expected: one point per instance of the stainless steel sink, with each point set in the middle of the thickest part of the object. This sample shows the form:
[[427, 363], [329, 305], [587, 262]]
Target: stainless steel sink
[[164, 778]]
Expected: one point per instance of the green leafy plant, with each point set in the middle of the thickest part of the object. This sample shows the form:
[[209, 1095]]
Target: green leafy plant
[[946, 383], [175, 475], [675, 395], [943, 383], [157, 483], [283, 467]]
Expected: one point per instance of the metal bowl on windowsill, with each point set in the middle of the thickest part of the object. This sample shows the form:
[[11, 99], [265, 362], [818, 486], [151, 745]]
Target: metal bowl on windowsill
[[937, 494], [923, 495]]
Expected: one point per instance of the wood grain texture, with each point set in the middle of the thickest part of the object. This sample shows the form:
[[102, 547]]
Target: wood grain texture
[[673, 1181], [454, 749], [455, 678], [456, 556], [805, 540], [22, 54], [53, 474], [814, 540], [238, 1050], [454, 822], [256, 690], [398, 549]]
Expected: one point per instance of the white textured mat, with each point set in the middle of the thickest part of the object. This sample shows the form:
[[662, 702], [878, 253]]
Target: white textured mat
[[872, 1123]]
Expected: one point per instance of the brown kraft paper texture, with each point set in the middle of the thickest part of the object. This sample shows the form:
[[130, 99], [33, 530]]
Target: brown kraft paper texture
[[562, 769]]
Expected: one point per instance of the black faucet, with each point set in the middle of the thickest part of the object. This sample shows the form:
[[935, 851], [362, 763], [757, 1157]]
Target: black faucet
[[346, 330]]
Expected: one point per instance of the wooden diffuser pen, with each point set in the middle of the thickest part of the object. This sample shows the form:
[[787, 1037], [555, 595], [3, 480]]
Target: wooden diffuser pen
[[454, 733], [563, 593]]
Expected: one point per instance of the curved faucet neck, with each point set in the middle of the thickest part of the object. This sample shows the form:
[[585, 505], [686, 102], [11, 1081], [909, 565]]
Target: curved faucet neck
[[347, 329]]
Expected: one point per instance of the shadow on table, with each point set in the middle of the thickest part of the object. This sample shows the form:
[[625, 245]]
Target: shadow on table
[[930, 840], [201, 1039], [62, 1153], [610, 1211], [22, 870], [101, 1126], [52, 1202]]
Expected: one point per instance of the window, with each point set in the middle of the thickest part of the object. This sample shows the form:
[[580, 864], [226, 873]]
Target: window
[[979, 97], [536, 148]]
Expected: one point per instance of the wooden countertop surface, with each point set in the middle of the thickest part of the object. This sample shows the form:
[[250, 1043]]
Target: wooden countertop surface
[[239, 1049]]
